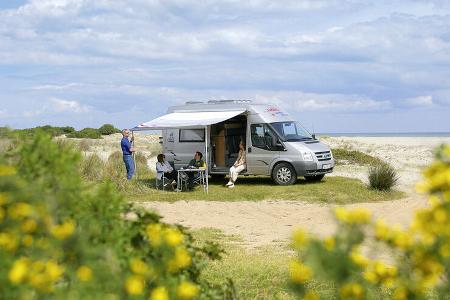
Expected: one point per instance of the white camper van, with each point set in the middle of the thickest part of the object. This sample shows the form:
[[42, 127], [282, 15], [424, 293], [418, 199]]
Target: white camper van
[[276, 145]]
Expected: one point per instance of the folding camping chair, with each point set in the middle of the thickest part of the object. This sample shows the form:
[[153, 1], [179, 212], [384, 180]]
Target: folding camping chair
[[163, 182]]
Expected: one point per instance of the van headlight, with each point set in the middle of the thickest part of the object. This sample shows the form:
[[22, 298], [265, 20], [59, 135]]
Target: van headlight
[[307, 156]]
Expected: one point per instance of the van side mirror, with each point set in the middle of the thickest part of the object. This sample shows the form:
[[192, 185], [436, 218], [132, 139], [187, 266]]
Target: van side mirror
[[314, 136]]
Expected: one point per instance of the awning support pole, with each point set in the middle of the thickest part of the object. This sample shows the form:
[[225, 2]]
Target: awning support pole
[[207, 161], [134, 152]]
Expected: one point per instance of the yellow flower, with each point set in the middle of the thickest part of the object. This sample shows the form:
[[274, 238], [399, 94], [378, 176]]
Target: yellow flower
[[299, 238], [63, 231], [20, 210], [402, 239], [138, 267], [355, 216], [329, 243], [351, 291], [84, 273], [29, 226], [7, 170], [382, 230], [53, 270], [299, 272], [444, 250], [360, 216], [440, 215], [359, 259], [401, 293], [8, 241], [154, 234], [187, 290], [18, 271], [2, 199], [341, 214], [311, 295], [135, 285], [181, 260], [2, 214], [371, 277], [27, 240], [159, 293], [173, 237]]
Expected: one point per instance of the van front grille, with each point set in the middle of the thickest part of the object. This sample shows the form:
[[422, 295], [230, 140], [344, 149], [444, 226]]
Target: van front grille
[[323, 156]]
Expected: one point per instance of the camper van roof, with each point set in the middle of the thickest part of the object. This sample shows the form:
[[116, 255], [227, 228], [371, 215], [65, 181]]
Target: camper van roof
[[238, 101]]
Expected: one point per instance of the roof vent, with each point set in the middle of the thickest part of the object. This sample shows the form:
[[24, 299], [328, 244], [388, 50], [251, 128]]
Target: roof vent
[[228, 101], [193, 102]]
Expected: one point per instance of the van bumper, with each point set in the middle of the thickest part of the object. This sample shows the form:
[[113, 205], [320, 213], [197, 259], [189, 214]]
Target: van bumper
[[310, 168]]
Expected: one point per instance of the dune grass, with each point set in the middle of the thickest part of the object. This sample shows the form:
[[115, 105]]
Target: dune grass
[[349, 156], [260, 273], [334, 190]]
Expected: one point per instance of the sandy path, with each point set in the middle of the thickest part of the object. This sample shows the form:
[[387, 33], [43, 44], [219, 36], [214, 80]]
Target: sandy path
[[269, 222]]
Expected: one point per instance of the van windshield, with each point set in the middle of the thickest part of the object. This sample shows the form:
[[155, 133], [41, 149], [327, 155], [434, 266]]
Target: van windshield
[[291, 131]]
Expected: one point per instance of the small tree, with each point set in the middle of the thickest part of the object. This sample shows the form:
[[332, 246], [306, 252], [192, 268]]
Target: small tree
[[108, 129]]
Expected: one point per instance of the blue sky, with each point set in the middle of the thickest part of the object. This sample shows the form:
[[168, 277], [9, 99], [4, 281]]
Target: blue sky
[[335, 65]]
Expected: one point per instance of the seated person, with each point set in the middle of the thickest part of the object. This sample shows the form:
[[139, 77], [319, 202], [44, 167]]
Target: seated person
[[196, 163], [239, 166], [163, 168]]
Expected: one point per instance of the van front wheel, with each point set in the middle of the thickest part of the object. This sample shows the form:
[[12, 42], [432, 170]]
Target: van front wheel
[[284, 174]]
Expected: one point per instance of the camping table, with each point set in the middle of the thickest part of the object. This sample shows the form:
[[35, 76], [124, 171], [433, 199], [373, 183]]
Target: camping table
[[201, 173]]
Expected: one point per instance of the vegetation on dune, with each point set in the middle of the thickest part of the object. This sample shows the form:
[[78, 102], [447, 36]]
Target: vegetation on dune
[[70, 132], [421, 252], [348, 156], [62, 240], [382, 177]]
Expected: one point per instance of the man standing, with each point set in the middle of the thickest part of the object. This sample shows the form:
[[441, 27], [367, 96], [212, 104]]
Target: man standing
[[127, 150]]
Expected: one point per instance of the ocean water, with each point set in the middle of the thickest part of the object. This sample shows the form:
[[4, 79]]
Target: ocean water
[[387, 134]]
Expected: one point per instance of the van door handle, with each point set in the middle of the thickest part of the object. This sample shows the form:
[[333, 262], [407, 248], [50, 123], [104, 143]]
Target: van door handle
[[249, 150]]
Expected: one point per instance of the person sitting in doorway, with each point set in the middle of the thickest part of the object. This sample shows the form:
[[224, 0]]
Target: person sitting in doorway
[[239, 166], [163, 168]]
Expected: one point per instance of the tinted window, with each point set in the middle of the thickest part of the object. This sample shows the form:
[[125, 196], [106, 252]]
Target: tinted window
[[263, 137], [192, 135]]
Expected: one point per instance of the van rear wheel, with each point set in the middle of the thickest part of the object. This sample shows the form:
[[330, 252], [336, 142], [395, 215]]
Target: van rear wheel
[[314, 178], [284, 174]]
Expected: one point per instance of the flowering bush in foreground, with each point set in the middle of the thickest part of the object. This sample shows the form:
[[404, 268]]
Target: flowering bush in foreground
[[61, 239], [420, 254]]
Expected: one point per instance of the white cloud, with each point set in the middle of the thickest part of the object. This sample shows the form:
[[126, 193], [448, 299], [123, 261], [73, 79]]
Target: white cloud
[[420, 101], [57, 106], [62, 105]]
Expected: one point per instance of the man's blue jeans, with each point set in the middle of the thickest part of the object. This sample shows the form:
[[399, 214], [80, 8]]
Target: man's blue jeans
[[129, 165]]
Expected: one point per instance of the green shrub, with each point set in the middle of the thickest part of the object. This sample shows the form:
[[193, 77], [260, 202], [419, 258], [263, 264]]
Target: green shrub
[[60, 239], [86, 133], [92, 167], [108, 129], [382, 177], [355, 157]]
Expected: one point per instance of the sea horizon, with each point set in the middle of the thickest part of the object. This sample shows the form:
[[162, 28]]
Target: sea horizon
[[386, 134]]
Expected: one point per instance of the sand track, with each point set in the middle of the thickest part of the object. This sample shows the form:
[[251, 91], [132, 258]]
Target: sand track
[[268, 222]]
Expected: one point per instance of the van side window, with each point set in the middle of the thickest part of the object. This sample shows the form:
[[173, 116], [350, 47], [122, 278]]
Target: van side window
[[192, 135], [263, 137]]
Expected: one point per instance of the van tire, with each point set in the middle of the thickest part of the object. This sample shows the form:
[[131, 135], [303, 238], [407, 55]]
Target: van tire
[[284, 174], [314, 178]]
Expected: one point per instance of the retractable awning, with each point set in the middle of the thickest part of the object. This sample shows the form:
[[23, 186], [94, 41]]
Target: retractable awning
[[188, 120]]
